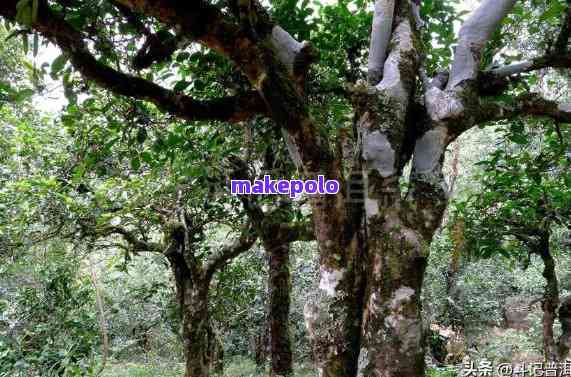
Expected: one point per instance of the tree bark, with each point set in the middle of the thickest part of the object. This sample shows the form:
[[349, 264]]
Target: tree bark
[[215, 352], [192, 295], [397, 243], [192, 281], [392, 329], [564, 343], [550, 299], [279, 287], [452, 289], [260, 347]]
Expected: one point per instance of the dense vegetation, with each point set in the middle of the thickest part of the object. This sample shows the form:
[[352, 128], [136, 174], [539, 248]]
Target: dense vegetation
[[123, 252]]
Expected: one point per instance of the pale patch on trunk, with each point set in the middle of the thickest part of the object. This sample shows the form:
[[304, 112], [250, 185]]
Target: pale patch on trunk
[[409, 330], [292, 149], [330, 280], [310, 314], [442, 105], [378, 153], [428, 151], [260, 81], [416, 14], [401, 296], [371, 207], [363, 361], [286, 47], [413, 240], [374, 303]]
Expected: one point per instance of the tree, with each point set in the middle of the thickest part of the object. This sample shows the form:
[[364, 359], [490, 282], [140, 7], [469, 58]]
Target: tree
[[525, 197], [373, 245], [277, 230]]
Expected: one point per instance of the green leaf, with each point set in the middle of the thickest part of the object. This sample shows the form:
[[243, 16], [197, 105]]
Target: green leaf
[[181, 85], [519, 139], [135, 163], [182, 57], [553, 12], [58, 64], [141, 135], [24, 12], [147, 157]]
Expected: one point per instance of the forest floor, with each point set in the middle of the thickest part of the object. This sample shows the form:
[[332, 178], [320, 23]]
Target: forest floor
[[239, 367]]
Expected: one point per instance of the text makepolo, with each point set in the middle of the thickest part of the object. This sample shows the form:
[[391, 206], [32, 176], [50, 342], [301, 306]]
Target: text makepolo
[[291, 187]]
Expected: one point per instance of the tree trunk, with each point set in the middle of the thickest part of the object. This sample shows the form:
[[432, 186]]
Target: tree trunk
[[334, 315], [393, 339], [399, 227], [260, 348], [192, 295], [215, 352], [279, 287], [452, 289], [550, 299], [565, 319], [195, 333]]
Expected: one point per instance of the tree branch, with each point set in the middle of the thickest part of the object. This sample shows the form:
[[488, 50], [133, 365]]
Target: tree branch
[[551, 60], [53, 27], [136, 243], [528, 104], [473, 36], [380, 37], [242, 244], [557, 57]]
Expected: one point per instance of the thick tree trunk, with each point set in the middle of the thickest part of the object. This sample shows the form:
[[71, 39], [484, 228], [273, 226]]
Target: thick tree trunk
[[279, 287], [393, 339], [334, 316], [550, 299], [398, 233]]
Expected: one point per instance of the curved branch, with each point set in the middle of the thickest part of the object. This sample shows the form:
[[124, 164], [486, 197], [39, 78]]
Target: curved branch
[[557, 57], [136, 243], [53, 27], [227, 253]]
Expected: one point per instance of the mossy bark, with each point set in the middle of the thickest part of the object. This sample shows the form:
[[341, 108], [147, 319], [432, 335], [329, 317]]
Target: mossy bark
[[393, 338], [550, 299], [279, 287]]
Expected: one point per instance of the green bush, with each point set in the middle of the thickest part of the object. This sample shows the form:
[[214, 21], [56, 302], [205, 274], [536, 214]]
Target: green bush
[[51, 327]]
